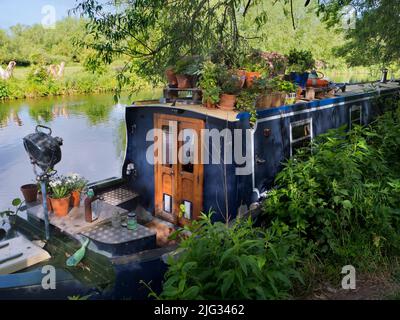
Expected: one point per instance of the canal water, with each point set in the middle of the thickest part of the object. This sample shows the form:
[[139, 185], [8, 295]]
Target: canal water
[[92, 127]]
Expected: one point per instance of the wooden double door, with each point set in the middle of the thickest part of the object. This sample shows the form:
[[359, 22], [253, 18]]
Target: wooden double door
[[178, 168]]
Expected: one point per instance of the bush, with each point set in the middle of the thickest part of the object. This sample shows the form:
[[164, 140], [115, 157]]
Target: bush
[[4, 90], [345, 196], [237, 262]]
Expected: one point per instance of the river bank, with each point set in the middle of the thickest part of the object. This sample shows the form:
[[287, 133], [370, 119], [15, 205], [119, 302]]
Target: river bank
[[76, 81]]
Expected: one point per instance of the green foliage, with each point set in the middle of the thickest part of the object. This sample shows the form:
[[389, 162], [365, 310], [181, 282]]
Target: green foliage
[[277, 84], [300, 60], [345, 196], [209, 82], [373, 38], [4, 90], [236, 262], [17, 203]]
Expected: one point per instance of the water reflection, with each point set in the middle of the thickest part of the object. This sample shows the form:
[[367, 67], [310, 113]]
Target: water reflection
[[93, 129]]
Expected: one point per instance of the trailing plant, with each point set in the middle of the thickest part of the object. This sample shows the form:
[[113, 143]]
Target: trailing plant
[[300, 60], [236, 262], [246, 101]]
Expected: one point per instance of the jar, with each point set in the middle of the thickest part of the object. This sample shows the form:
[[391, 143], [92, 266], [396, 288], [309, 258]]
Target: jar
[[116, 220], [132, 221]]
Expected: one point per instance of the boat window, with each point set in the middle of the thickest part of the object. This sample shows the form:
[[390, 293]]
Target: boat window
[[188, 209], [355, 116], [167, 201], [300, 135], [188, 148], [167, 144]]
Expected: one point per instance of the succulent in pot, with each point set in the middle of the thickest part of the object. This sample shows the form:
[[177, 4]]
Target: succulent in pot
[[60, 196]]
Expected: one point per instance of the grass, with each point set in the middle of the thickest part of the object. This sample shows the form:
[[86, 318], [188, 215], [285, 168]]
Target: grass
[[76, 80]]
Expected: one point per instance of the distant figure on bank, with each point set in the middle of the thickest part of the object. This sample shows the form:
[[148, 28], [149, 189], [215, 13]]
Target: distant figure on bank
[[7, 74], [57, 71]]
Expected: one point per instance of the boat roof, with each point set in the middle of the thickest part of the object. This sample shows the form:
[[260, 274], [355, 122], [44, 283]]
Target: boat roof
[[352, 90], [198, 108]]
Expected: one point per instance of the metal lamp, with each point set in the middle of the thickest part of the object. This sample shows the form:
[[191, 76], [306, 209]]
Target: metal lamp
[[44, 152]]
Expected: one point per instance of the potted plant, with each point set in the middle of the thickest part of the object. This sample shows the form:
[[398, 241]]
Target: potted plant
[[300, 63], [12, 215], [209, 84], [277, 63], [280, 90], [255, 66], [229, 84], [186, 70], [171, 77], [60, 196], [76, 184], [29, 192]]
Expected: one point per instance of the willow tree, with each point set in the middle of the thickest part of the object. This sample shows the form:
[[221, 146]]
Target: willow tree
[[153, 34], [374, 36]]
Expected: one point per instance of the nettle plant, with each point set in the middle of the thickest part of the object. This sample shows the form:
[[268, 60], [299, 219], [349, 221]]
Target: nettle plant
[[232, 262]]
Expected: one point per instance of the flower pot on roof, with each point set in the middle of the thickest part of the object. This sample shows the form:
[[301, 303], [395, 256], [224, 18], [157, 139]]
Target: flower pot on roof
[[171, 77], [229, 90], [255, 67], [60, 196], [186, 70], [208, 83], [30, 192], [300, 62]]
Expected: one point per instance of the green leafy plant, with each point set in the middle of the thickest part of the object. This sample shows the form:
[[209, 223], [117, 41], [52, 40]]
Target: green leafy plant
[[209, 82], [237, 262], [255, 62], [17, 203], [189, 65], [344, 198], [229, 82], [246, 101], [300, 60]]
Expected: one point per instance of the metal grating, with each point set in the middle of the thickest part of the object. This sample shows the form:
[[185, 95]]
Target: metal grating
[[118, 196], [110, 235]]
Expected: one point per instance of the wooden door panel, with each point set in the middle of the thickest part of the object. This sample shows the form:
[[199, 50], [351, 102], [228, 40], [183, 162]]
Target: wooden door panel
[[182, 181]]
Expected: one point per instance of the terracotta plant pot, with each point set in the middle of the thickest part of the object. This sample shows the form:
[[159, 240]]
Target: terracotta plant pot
[[171, 78], [278, 99], [250, 77], [242, 75], [30, 192], [264, 101], [227, 102], [184, 81], [60, 206], [75, 199], [40, 199], [210, 105]]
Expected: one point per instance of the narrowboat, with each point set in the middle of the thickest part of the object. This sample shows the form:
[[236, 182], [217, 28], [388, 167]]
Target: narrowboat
[[181, 159]]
